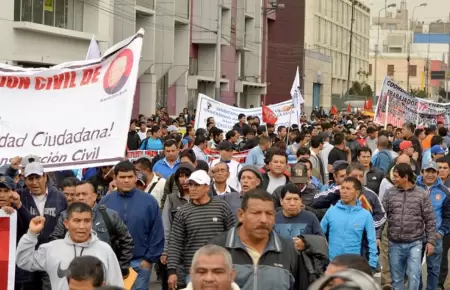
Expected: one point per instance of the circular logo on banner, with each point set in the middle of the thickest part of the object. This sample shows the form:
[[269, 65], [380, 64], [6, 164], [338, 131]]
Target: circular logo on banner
[[118, 72]]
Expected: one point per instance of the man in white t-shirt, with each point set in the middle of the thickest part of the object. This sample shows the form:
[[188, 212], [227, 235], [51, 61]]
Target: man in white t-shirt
[[226, 155]]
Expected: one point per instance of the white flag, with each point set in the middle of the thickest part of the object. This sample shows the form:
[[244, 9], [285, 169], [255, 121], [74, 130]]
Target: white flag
[[296, 94], [93, 50]]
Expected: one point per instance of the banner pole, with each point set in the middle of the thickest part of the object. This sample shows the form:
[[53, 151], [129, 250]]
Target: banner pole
[[387, 112]]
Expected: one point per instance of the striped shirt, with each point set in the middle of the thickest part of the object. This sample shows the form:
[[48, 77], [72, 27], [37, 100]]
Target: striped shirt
[[193, 226]]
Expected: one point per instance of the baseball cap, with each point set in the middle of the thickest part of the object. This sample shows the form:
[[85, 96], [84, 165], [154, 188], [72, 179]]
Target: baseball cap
[[224, 145], [340, 165], [437, 149], [172, 128], [200, 177], [405, 145], [7, 181], [299, 173], [142, 178], [34, 168], [349, 122], [431, 165]]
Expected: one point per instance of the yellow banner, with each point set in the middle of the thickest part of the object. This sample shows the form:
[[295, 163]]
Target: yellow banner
[[48, 5]]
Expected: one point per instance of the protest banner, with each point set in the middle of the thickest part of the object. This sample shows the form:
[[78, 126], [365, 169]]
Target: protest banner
[[226, 116], [395, 106], [8, 225], [72, 115]]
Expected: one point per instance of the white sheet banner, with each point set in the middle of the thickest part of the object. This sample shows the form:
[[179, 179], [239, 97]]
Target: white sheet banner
[[72, 115], [226, 116]]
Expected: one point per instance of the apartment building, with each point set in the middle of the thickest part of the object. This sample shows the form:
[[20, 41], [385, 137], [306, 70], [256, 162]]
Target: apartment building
[[315, 35]]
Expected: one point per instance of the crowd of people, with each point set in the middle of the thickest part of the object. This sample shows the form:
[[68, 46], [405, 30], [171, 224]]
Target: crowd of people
[[332, 198]]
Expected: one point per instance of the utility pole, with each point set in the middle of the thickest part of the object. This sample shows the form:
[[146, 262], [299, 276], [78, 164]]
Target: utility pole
[[427, 68], [218, 50], [350, 50], [448, 60]]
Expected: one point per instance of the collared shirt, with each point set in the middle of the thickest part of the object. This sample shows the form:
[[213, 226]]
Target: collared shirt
[[163, 168], [255, 157], [227, 189], [40, 201], [199, 154]]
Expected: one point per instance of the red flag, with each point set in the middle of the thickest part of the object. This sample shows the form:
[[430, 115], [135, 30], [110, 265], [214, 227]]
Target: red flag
[[369, 105], [349, 108], [268, 116], [334, 110], [365, 104]]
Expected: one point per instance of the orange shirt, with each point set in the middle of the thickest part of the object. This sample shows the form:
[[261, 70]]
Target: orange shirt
[[426, 143]]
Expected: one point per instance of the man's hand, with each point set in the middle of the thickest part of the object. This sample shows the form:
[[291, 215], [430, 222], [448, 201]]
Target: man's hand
[[172, 282], [379, 243], [145, 265], [15, 162], [163, 259], [299, 244], [429, 249], [415, 155], [438, 236], [37, 224], [9, 210], [15, 199], [112, 186]]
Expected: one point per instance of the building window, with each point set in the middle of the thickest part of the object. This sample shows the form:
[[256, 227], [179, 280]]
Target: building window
[[67, 14], [370, 69], [390, 70], [413, 70]]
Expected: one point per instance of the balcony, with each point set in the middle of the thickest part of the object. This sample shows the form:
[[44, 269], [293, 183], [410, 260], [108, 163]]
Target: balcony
[[148, 4]]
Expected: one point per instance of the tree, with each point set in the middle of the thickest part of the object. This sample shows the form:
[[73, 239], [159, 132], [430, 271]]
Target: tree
[[418, 93], [359, 89]]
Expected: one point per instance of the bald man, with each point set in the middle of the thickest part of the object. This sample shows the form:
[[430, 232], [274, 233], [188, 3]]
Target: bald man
[[383, 159]]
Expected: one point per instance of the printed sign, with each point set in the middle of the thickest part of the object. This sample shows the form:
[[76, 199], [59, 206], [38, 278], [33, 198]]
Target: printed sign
[[71, 115], [8, 225], [395, 106], [226, 116]]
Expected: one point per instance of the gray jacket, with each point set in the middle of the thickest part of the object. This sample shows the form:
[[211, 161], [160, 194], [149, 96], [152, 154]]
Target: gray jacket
[[173, 203], [234, 200], [410, 215]]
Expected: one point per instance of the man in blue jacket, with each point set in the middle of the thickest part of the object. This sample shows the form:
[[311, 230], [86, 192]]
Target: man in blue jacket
[[440, 200], [347, 223], [41, 199], [140, 212], [383, 159]]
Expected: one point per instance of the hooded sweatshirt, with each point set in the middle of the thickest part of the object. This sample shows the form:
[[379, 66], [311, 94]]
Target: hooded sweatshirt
[[55, 257]]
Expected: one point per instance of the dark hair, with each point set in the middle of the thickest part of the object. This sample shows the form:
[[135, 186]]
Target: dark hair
[[403, 170], [200, 132], [70, 182], [364, 149], [326, 126], [170, 143], [280, 128], [240, 116], [371, 130], [84, 182], [85, 268], [444, 160], [418, 132], [356, 183], [389, 125], [443, 131], [230, 134], [189, 153], [256, 193], [133, 121], [291, 188], [354, 166], [316, 141], [248, 130], [436, 140], [303, 151], [199, 139], [142, 123], [264, 140], [409, 125], [202, 165], [154, 129], [78, 207], [124, 166], [215, 131], [277, 152], [304, 160], [353, 261], [145, 163], [339, 138]]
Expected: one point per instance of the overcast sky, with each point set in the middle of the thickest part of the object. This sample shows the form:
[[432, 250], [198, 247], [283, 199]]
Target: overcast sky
[[436, 9]]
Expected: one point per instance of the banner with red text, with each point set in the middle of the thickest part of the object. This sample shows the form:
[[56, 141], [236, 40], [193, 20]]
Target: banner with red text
[[395, 106], [72, 115], [8, 225]]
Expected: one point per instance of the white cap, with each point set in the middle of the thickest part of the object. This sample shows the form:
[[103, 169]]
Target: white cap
[[200, 177], [34, 168], [172, 128], [349, 122]]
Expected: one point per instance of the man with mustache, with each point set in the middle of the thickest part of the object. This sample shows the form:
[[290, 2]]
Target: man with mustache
[[262, 259]]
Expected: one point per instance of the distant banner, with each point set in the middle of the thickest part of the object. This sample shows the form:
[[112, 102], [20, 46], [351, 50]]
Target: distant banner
[[226, 116], [8, 225], [73, 115], [395, 106]]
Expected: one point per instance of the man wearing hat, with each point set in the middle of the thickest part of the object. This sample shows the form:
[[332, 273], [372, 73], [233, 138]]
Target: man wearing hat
[[437, 151], [225, 149], [440, 200]]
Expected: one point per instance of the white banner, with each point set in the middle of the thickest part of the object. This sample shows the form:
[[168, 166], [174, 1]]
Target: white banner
[[226, 116], [72, 115]]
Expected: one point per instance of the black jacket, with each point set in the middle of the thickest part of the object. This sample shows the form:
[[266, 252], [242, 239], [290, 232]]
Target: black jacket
[[373, 179], [266, 180], [278, 267], [101, 185], [118, 236], [315, 256], [133, 141]]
